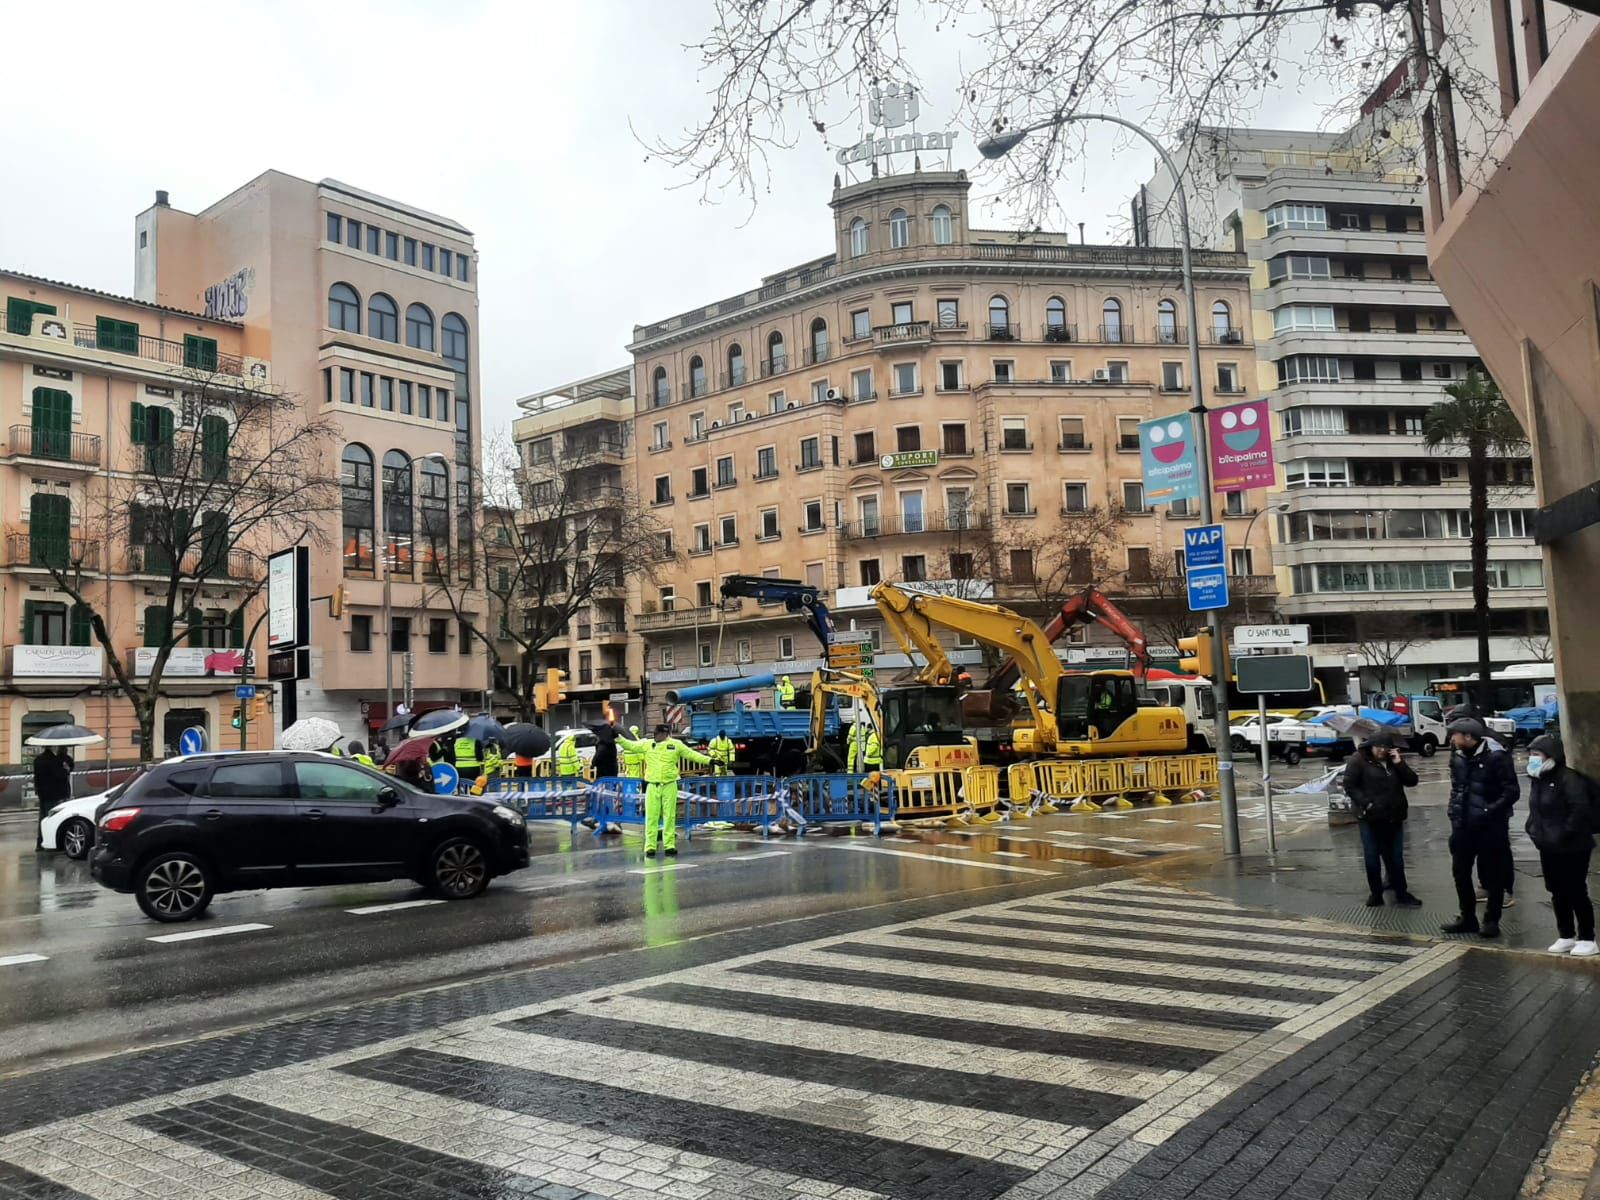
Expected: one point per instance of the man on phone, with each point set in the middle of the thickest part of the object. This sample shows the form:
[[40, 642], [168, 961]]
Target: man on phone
[[1376, 782]]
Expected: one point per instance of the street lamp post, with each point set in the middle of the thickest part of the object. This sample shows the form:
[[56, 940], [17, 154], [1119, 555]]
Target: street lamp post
[[1248, 529], [388, 586], [996, 147]]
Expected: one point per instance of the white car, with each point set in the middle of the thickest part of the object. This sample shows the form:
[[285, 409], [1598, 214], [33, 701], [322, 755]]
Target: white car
[[586, 741], [69, 826], [1285, 736]]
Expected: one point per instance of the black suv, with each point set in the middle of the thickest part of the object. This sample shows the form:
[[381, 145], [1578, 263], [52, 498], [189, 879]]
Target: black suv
[[192, 827]]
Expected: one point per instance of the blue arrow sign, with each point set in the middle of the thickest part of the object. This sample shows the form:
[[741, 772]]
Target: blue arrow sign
[[192, 741], [445, 779]]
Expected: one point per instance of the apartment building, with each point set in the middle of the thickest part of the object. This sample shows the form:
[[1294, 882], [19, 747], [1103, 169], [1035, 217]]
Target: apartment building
[[79, 371], [1355, 342], [575, 445], [368, 309], [927, 402]]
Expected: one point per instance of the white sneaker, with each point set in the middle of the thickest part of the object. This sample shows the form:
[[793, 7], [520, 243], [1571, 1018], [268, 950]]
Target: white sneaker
[[1585, 950], [1563, 945]]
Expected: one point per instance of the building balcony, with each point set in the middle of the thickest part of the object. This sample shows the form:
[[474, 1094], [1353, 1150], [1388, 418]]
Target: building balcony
[[1363, 243], [42, 551], [1384, 343], [609, 633], [591, 452], [198, 358], [611, 672], [1059, 333], [55, 447], [27, 663], [157, 562], [1224, 335], [1359, 393], [908, 333], [899, 525], [1000, 331], [675, 618], [601, 496], [1344, 445], [1344, 291]]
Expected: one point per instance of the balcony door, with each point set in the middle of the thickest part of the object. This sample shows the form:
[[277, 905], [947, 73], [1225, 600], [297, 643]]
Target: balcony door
[[52, 423], [50, 529]]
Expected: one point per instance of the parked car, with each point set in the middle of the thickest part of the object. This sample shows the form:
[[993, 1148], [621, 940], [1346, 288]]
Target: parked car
[[587, 741], [192, 827], [69, 826], [1285, 737]]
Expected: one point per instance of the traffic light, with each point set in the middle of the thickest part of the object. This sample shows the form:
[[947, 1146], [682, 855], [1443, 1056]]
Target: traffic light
[[540, 703], [1197, 655], [555, 686], [336, 602], [236, 716]]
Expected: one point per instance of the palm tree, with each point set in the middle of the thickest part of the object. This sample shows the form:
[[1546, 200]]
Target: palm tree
[[1478, 416]]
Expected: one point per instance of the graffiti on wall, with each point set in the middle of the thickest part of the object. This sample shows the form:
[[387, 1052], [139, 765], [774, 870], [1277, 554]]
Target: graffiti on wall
[[230, 299]]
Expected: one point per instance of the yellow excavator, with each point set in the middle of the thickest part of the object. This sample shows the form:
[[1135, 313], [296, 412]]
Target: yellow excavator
[[918, 725]]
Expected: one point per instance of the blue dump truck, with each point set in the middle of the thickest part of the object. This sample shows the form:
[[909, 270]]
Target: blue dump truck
[[765, 740]]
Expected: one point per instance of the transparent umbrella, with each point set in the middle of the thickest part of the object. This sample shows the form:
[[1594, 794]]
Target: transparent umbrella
[[65, 735], [312, 733]]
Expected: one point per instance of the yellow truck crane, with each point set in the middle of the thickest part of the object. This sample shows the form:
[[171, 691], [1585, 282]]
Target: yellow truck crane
[[1094, 715]]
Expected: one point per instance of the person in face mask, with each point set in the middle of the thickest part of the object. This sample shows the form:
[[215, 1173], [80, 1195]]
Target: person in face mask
[[1561, 822]]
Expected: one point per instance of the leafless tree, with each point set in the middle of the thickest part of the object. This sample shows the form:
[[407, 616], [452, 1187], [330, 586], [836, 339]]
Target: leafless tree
[[550, 539], [1051, 565], [228, 472], [1539, 647], [1382, 640], [784, 69]]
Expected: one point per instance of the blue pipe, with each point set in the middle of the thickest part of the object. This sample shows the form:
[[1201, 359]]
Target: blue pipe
[[709, 691]]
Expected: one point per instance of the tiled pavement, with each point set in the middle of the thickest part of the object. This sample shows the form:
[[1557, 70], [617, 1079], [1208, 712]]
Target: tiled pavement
[[1046, 1045]]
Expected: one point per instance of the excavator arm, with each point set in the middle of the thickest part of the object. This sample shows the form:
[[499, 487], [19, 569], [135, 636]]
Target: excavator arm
[[794, 595], [1088, 606], [825, 683], [914, 632]]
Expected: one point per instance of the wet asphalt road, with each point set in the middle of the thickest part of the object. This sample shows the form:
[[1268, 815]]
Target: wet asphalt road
[[100, 984]]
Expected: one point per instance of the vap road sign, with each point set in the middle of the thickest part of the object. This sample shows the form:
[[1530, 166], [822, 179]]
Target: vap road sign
[[1271, 636], [1205, 567]]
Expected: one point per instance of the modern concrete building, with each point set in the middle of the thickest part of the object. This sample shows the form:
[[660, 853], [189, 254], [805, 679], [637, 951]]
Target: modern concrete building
[[1355, 341], [74, 364], [368, 309], [576, 446], [926, 402], [1514, 238]]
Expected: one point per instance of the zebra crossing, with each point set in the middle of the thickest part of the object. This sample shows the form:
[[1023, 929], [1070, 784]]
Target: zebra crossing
[[967, 1056]]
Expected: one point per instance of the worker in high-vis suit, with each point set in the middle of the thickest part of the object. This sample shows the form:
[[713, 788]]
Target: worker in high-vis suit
[[663, 767], [871, 751], [721, 751], [468, 760], [785, 690], [569, 765], [632, 760]]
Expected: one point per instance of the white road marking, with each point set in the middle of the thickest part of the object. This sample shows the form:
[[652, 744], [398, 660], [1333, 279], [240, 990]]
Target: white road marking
[[395, 907], [1120, 839], [748, 857], [16, 960], [672, 866], [190, 935], [1008, 854], [1206, 825], [948, 862]]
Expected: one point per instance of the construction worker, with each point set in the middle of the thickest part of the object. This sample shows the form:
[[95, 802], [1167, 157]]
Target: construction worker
[[663, 766], [871, 753], [632, 760], [468, 760], [721, 752], [568, 764], [358, 753], [785, 690]]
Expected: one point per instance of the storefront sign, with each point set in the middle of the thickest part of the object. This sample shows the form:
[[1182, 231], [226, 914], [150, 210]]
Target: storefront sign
[[56, 662], [190, 663], [909, 458]]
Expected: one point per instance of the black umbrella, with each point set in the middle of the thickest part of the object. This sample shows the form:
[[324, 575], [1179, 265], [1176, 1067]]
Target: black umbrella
[[484, 728], [396, 722], [433, 724], [528, 741]]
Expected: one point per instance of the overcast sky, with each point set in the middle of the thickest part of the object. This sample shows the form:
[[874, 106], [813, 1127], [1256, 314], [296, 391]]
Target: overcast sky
[[510, 116]]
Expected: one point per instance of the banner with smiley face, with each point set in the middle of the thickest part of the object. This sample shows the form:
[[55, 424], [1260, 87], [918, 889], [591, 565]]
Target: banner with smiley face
[[1171, 467], [1241, 447]]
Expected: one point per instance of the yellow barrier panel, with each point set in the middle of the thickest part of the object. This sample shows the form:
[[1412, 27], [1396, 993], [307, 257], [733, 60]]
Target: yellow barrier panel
[[946, 793], [1089, 784]]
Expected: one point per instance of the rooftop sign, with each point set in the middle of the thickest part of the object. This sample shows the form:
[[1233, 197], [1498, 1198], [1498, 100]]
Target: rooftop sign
[[892, 106]]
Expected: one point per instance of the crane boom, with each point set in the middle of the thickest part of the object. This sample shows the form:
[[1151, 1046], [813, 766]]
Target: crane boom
[[1090, 605], [914, 633], [794, 595]]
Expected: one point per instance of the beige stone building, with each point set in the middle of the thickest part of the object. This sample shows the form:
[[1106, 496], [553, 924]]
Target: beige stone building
[[927, 402], [78, 368], [368, 309]]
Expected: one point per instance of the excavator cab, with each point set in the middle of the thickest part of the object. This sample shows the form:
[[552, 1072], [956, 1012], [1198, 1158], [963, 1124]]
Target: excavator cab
[[919, 715], [1092, 707]]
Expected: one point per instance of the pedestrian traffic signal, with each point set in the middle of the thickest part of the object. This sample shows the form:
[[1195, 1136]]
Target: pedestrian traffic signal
[[236, 716], [555, 686], [1197, 655]]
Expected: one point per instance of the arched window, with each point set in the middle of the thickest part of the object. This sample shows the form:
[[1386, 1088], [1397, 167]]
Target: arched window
[[660, 389], [1167, 321], [383, 318], [453, 349], [697, 376], [777, 356], [355, 476], [999, 317], [344, 308], [398, 525], [434, 488], [899, 229], [736, 374], [943, 227], [858, 238], [819, 341], [1055, 320], [419, 327], [1222, 322], [1111, 321]]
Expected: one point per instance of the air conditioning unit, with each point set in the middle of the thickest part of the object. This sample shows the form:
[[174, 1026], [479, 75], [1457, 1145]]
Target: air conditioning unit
[[835, 394], [788, 405], [1102, 376], [1233, 337], [716, 424], [749, 416]]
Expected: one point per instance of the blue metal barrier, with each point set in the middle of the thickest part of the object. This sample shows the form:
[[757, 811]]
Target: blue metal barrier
[[729, 799], [547, 799], [819, 799]]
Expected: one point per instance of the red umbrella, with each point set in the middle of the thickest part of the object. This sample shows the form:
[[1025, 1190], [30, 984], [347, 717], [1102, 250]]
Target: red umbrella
[[407, 752]]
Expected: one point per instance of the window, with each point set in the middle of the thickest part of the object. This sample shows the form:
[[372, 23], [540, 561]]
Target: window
[[999, 317], [1055, 320], [1296, 216], [725, 475], [1072, 437], [659, 439], [1171, 377], [861, 324], [819, 340], [663, 492], [461, 267], [858, 238], [411, 252], [810, 453], [702, 594], [1004, 370], [1295, 318], [785, 647], [1228, 377], [736, 370], [352, 231], [913, 568], [1139, 563], [871, 519], [1111, 321], [347, 385], [1127, 433], [697, 376], [949, 313], [120, 336], [1241, 561], [427, 256], [425, 400], [1442, 371], [819, 390], [335, 228], [769, 523], [699, 483], [1074, 497], [1222, 323], [419, 327], [1014, 433], [360, 632], [1233, 504], [1167, 322], [199, 353], [1018, 501], [960, 564], [386, 394], [374, 239], [899, 230], [367, 398], [1117, 371], [908, 438], [697, 426], [252, 781], [813, 516], [861, 385], [901, 312], [446, 262], [866, 449], [943, 226], [905, 379], [1316, 472], [1133, 496], [777, 356], [871, 572], [668, 656], [1308, 368], [660, 390], [438, 635], [953, 438], [391, 246], [766, 462], [1299, 266], [913, 518], [728, 531], [344, 308], [1314, 422]]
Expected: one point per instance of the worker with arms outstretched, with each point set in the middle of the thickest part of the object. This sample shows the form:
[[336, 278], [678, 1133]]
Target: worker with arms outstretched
[[663, 765]]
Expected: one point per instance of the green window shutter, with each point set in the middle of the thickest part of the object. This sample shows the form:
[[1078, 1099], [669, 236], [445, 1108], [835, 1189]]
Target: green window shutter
[[196, 637], [137, 424], [19, 314], [52, 423], [81, 628], [49, 529], [27, 622], [214, 447], [199, 353], [164, 433], [236, 630], [112, 334], [157, 625]]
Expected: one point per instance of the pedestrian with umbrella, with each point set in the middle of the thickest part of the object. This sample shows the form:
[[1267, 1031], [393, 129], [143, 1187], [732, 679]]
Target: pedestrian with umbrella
[[53, 766], [311, 733], [525, 743], [604, 761]]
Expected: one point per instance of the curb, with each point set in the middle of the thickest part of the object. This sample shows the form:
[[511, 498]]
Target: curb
[[1568, 1168]]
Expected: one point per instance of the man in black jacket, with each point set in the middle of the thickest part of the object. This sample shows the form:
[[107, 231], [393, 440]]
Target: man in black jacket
[[1376, 781], [52, 783], [1483, 791], [1561, 822]]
